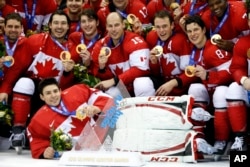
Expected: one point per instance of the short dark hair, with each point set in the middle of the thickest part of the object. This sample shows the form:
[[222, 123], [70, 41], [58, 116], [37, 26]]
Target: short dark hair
[[90, 13], [162, 14], [61, 13], [194, 19], [45, 82], [13, 16]]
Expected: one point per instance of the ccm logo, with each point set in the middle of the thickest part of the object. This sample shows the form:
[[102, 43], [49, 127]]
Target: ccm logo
[[165, 159], [161, 98]]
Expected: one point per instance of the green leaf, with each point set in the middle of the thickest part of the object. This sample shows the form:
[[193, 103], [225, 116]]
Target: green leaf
[[82, 76], [6, 115]]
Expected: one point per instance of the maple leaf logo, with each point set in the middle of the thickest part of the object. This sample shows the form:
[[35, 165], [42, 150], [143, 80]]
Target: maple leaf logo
[[168, 68], [47, 69], [118, 70], [75, 123]]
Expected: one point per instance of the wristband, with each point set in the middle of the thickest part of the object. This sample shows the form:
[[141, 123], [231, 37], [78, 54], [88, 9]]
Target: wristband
[[116, 79], [242, 80], [207, 75], [179, 81]]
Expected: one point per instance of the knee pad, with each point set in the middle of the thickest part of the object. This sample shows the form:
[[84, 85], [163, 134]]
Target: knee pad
[[199, 92], [24, 86], [236, 92], [219, 97], [143, 86]]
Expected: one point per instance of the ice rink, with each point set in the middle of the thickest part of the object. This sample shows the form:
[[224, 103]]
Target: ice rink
[[9, 158]]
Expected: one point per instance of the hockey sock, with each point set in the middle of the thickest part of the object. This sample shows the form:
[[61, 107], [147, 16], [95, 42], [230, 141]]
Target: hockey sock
[[237, 113], [221, 124], [21, 108]]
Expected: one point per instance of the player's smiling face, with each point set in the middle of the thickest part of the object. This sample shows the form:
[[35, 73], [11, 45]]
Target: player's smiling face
[[163, 28], [13, 29], [89, 26], [51, 95], [115, 27], [218, 7], [74, 6], [59, 27], [196, 34]]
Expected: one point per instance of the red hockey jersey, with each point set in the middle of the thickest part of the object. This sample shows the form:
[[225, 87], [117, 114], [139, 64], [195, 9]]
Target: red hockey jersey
[[39, 129]]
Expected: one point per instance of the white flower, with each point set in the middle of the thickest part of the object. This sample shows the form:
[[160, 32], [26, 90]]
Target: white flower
[[64, 137]]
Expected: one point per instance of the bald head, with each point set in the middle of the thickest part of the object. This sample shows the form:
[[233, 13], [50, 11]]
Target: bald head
[[115, 26], [114, 16]]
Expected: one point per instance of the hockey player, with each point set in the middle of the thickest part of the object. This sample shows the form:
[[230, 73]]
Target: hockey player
[[41, 59], [13, 44], [124, 8], [221, 18], [234, 119], [87, 37], [173, 60], [59, 113], [208, 70], [125, 59]]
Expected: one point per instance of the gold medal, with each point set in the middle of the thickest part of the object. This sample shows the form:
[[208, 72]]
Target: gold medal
[[214, 38], [248, 53], [80, 114], [9, 60], [65, 56], [189, 71], [174, 5], [131, 18], [80, 47], [106, 51], [159, 50]]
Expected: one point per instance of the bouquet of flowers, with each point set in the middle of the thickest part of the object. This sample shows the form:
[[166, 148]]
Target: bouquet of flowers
[[6, 114], [82, 75], [60, 141]]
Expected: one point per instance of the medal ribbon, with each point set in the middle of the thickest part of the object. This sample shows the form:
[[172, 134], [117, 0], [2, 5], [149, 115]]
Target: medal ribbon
[[192, 62], [193, 11], [217, 29], [62, 111], [248, 95], [30, 18], [59, 44], [92, 42], [110, 42], [160, 42], [9, 50], [123, 14], [78, 26]]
